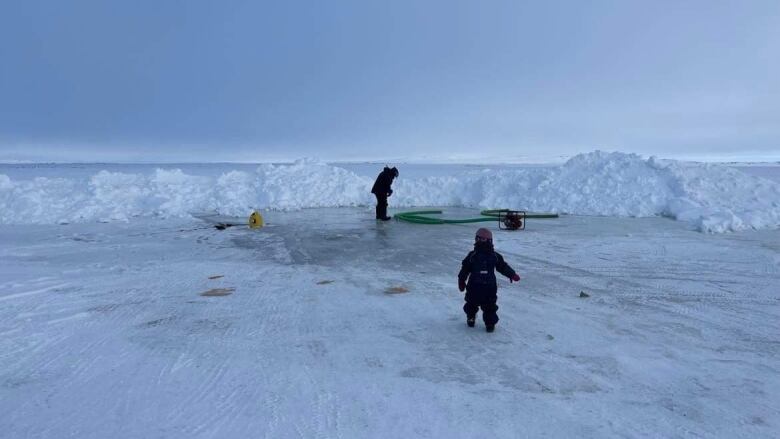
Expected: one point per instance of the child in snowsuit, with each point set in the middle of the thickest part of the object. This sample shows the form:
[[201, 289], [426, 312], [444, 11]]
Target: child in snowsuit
[[382, 190], [478, 268]]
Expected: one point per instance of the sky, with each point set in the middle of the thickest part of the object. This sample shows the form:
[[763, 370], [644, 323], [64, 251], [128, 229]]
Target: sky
[[253, 81]]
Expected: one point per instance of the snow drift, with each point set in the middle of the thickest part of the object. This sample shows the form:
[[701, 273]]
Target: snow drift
[[713, 198]]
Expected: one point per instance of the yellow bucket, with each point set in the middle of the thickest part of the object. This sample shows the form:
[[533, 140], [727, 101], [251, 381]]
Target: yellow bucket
[[256, 220]]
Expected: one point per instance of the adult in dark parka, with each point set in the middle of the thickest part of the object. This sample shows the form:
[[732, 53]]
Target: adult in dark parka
[[382, 190]]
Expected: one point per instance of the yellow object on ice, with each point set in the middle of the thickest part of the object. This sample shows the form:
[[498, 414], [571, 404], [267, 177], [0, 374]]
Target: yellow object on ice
[[256, 220]]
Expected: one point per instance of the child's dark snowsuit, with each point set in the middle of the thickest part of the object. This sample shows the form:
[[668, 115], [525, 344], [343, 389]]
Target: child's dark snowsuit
[[481, 291]]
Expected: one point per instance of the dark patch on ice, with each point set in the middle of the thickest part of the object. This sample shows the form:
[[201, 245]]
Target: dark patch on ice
[[15, 383], [218, 292], [349, 242], [317, 348], [84, 238], [522, 383], [104, 308], [757, 420], [443, 373], [373, 362], [158, 322]]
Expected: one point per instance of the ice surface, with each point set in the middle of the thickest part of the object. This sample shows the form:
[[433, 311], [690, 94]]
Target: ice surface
[[105, 332], [711, 198]]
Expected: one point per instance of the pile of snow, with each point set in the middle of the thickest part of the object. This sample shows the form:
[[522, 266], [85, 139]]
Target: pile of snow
[[713, 198]]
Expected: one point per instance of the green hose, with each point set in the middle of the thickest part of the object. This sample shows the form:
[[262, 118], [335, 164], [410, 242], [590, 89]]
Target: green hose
[[420, 217], [494, 213]]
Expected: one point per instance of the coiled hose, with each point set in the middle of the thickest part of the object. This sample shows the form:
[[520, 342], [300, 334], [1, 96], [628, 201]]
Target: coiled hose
[[420, 216]]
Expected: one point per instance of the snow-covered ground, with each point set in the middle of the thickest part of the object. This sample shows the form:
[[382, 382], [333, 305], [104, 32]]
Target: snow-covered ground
[[338, 326]]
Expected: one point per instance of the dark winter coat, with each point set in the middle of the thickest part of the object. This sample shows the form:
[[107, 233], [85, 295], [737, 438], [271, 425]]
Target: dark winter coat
[[383, 182], [479, 268]]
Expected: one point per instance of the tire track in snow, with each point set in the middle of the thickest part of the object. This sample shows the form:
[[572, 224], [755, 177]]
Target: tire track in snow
[[326, 414], [33, 292]]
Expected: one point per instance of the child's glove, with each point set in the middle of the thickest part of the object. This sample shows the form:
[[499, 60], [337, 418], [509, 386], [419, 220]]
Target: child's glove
[[515, 278], [461, 285]]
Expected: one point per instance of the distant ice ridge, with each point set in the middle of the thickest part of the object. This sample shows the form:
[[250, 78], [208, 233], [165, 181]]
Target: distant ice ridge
[[713, 198]]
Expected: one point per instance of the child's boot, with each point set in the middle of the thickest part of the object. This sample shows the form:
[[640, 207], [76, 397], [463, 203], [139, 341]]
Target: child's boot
[[470, 321], [490, 328]]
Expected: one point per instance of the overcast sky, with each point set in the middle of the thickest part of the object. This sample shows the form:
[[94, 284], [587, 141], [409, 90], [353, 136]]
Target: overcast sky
[[254, 81]]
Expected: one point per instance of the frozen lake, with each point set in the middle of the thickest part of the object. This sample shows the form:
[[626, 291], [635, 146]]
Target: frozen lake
[[106, 333]]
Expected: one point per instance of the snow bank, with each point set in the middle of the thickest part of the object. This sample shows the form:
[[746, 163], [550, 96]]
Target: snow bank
[[713, 198]]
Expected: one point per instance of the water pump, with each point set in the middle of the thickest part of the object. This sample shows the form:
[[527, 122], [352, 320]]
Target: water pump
[[511, 220]]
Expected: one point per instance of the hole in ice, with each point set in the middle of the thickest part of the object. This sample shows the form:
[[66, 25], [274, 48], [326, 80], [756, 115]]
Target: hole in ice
[[216, 276], [325, 282]]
